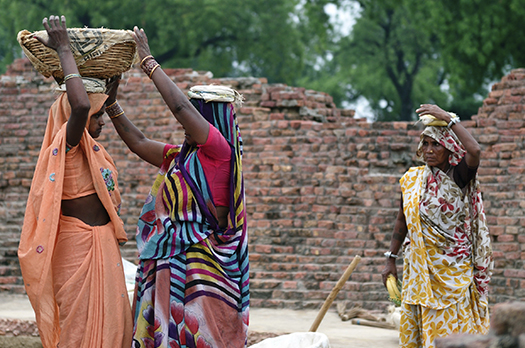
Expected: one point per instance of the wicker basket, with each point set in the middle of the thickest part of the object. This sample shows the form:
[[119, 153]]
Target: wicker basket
[[99, 53]]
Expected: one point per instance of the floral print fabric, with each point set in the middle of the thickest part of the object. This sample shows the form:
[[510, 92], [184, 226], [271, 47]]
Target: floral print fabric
[[448, 259]]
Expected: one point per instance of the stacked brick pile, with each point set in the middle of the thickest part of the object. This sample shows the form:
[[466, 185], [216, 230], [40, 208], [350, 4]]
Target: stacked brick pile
[[501, 132], [321, 185]]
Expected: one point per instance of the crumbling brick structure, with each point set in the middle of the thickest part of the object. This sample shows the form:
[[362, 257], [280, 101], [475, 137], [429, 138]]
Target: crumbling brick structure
[[321, 184]]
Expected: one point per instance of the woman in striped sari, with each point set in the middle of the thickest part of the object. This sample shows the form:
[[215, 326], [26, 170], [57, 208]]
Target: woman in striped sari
[[192, 279], [441, 220]]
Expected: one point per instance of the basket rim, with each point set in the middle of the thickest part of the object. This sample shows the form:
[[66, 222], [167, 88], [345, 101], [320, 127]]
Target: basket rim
[[94, 60]]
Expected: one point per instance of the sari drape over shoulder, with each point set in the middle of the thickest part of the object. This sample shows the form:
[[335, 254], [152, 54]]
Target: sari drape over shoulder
[[192, 282], [41, 229], [448, 258]]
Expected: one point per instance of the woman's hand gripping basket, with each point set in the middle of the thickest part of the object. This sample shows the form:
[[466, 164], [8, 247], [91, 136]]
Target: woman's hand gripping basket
[[99, 53]]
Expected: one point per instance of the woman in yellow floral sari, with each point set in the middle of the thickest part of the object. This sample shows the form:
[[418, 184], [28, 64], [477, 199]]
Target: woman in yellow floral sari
[[441, 225]]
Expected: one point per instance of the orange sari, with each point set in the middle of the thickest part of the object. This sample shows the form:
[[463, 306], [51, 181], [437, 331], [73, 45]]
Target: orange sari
[[72, 272]]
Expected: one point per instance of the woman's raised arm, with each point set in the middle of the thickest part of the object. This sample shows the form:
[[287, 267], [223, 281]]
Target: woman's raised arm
[[195, 126], [58, 40], [149, 150]]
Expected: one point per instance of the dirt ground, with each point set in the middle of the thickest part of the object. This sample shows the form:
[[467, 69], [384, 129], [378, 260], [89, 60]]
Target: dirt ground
[[15, 333]]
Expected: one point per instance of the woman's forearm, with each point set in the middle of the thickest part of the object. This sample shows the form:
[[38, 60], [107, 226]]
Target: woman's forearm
[[398, 235], [58, 40], [195, 125], [149, 150], [76, 93], [192, 121], [471, 145]]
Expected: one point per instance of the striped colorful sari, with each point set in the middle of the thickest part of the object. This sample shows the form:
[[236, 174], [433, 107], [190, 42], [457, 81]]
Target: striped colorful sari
[[192, 280]]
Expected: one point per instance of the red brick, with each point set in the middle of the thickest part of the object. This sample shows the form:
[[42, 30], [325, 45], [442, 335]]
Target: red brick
[[318, 191], [505, 238]]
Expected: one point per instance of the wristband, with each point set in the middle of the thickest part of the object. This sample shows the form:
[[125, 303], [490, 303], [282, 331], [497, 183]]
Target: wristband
[[389, 254], [144, 59], [452, 122], [149, 66], [70, 76], [114, 110]]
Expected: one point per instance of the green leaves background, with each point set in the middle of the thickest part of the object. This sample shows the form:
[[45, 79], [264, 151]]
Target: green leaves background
[[399, 54]]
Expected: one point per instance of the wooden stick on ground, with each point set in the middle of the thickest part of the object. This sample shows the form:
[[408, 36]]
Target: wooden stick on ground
[[381, 324], [328, 302]]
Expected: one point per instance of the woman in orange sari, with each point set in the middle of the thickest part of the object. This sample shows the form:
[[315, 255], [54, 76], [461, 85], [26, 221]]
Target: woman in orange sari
[[69, 247]]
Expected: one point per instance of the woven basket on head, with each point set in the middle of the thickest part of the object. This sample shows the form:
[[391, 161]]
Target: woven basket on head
[[100, 53]]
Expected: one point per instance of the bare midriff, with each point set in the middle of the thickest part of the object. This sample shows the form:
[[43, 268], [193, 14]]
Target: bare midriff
[[88, 209], [222, 215]]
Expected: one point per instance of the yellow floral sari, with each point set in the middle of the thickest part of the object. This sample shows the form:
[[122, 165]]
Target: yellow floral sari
[[447, 261]]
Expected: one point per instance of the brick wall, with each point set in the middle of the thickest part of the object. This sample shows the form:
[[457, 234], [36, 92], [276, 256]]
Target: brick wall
[[321, 185]]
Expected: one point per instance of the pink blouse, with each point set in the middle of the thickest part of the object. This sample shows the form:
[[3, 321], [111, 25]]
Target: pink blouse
[[215, 157]]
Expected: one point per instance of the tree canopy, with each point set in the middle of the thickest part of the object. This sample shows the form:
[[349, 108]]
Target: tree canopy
[[399, 54], [402, 53], [229, 37]]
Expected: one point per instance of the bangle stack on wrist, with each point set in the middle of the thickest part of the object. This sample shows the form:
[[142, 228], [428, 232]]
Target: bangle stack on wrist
[[114, 110], [149, 65]]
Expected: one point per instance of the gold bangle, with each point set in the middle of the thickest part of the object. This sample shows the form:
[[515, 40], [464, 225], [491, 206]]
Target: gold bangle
[[144, 59], [114, 110], [117, 115], [150, 66], [111, 104], [70, 76], [151, 73]]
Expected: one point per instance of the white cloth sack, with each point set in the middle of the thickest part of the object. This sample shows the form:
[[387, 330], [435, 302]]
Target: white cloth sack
[[130, 271], [295, 340]]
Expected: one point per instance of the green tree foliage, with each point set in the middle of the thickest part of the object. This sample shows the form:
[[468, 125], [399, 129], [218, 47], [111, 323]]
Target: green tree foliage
[[480, 39], [402, 53], [389, 58], [271, 38]]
